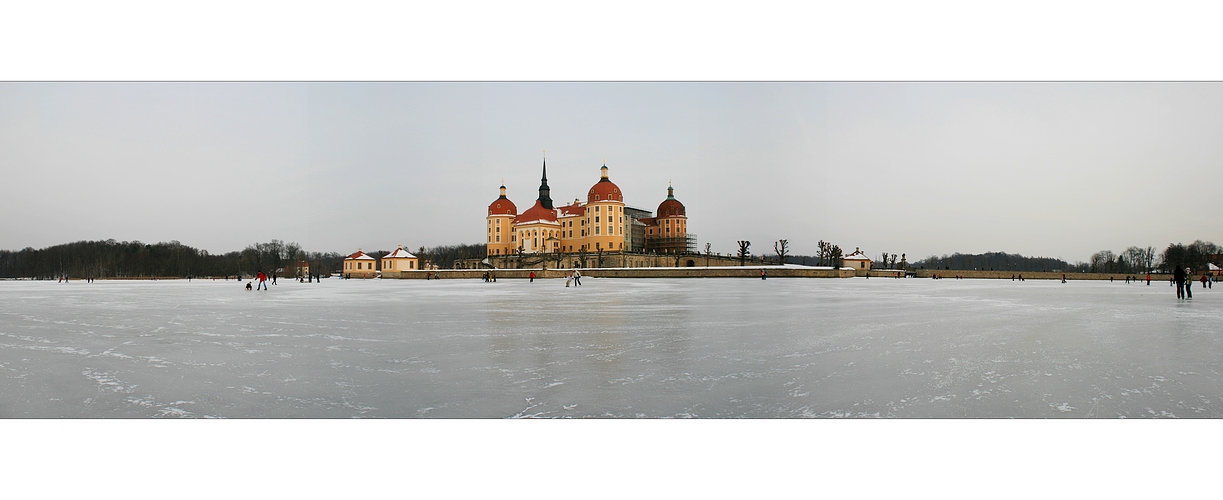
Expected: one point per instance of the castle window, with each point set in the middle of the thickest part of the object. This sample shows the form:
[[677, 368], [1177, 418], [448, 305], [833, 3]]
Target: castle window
[[596, 229]]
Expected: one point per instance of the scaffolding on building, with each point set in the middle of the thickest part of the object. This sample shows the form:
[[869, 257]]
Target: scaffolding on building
[[671, 245]]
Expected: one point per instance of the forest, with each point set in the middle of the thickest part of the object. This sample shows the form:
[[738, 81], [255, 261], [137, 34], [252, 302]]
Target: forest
[[129, 259], [1134, 259]]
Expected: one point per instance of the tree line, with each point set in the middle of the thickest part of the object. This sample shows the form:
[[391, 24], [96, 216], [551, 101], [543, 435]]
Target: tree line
[[120, 259], [1136, 260], [999, 261]]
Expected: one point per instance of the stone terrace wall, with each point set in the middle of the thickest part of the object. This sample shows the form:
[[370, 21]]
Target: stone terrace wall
[[639, 272]]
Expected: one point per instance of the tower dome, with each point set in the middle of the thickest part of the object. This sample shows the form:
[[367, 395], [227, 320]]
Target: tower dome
[[670, 207], [605, 189], [502, 205]]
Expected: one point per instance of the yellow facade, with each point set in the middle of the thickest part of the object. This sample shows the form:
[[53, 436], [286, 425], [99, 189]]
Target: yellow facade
[[605, 221]]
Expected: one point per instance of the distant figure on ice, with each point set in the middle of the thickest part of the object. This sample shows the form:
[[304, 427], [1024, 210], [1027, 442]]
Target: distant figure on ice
[[1203, 280], [1188, 288], [577, 278], [1148, 279], [263, 281], [273, 277], [764, 275], [1178, 275], [568, 280], [248, 286], [532, 276], [1063, 277]]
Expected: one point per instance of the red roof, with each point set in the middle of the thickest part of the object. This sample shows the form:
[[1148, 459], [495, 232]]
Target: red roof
[[604, 190], [502, 206], [358, 255], [573, 209], [670, 207], [536, 212]]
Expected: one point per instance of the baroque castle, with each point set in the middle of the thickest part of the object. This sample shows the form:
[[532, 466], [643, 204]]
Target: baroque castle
[[602, 225]]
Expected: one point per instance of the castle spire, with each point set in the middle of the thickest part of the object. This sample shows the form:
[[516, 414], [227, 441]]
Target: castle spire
[[544, 199]]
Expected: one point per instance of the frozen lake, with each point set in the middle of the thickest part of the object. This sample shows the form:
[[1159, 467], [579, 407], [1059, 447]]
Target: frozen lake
[[707, 348]]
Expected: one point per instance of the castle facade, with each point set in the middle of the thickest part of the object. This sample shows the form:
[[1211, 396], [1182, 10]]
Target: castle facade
[[601, 224]]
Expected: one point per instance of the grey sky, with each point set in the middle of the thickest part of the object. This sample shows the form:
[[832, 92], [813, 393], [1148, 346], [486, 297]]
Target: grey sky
[[1053, 169]]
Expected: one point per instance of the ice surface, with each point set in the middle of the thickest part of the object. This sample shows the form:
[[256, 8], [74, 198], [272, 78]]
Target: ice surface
[[706, 348]]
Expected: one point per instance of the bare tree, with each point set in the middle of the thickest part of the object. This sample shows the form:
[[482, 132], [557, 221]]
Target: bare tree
[[707, 252], [743, 250], [823, 252], [782, 248], [1102, 261]]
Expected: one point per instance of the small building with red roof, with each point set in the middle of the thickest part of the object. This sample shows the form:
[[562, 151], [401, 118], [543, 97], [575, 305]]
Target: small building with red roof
[[398, 262], [360, 265], [857, 260]]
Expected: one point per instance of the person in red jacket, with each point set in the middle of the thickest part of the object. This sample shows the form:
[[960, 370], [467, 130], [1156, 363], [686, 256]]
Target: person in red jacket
[[532, 276], [263, 281]]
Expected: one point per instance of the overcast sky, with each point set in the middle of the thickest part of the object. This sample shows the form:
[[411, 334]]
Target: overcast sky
[[1051, 169]]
